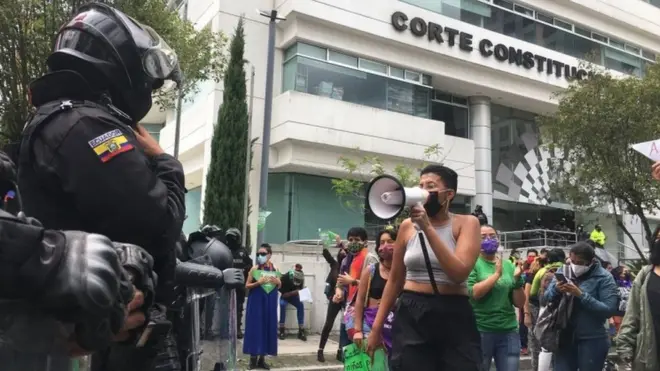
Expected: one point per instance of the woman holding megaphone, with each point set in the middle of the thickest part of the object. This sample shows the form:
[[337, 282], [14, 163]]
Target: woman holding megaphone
[[435, 250]]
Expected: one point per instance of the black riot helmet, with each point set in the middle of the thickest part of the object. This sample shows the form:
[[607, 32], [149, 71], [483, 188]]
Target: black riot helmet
[[233, 238], [115, 53]]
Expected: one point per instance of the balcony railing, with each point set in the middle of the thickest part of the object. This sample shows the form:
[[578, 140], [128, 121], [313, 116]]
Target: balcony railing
[[534, 238]]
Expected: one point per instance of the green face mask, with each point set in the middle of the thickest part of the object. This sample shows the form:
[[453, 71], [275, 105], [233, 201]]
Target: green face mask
[[354, 247]]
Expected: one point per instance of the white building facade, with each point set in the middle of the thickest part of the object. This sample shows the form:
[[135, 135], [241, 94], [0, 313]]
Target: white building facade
[[394, 77]]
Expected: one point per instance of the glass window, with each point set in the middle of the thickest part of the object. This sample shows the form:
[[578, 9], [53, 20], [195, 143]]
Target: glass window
[[290, 51], [632, 49], [412, 76], [503, 3], [616, 43], [368, 65], [543, 17], [563, 24], [514, 133], [154, 130], [455, 118], [523, 10], [312, 51], [459, 100], [396, 72], [582, 31], [336, 82], [557, 35], [427, 80], [337, 57], [648, 54], [620, 61]]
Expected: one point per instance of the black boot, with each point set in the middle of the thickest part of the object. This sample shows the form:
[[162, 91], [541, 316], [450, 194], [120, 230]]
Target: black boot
[[262, 363], [301, 334], [282, 333], [319, 356], [340, 355], [253, 363]]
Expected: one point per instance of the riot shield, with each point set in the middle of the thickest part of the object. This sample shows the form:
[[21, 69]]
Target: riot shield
[[31, 340], [218, 332]]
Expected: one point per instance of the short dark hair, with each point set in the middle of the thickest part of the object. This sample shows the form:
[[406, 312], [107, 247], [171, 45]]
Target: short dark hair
[[606, 264], [491, 227], [544, 251], [267, 247], [556, 255], [392, 232], [532, 250], [358, 232], [449, 177], [584, 251]]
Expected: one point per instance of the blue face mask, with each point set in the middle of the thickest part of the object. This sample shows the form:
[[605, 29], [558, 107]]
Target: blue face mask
[[262, 259]]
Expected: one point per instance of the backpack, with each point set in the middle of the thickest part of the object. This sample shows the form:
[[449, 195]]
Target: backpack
[[554, 317]]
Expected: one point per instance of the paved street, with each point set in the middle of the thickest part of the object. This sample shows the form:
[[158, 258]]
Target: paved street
[[296, 355]]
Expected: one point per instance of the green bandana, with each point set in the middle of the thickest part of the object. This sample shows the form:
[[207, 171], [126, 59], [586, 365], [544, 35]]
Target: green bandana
[[268, 287]]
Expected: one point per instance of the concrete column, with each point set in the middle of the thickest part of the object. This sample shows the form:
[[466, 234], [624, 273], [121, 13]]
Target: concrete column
[[480, 133]]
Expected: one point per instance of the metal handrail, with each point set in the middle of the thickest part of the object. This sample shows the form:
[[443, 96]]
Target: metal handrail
[[537, 238]]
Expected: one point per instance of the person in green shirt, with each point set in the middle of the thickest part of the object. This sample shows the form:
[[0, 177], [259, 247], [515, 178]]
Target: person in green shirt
[[495, 285]]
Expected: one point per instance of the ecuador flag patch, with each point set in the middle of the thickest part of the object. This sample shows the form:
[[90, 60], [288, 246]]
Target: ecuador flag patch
[[110, 145]]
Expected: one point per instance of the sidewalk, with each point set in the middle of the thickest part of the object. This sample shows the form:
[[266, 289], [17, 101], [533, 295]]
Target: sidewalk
[[297, 355]]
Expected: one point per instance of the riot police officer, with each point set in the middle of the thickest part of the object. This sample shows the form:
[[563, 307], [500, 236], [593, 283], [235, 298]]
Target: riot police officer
[[85, 163], [242, 261], [59, 280]]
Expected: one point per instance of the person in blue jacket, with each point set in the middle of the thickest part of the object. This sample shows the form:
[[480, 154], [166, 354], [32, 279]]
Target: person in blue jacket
[[585, 343]]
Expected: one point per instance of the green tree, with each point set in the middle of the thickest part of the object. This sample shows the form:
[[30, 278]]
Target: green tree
[[28, 29], [361, 168], [225, 182], [594, 168]]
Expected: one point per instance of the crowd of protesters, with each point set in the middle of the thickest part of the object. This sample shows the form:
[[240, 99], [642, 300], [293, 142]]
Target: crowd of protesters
[[439, 295]]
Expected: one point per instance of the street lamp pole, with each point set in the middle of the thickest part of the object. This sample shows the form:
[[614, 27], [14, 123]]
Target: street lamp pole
[[268, 108], [179, 102]]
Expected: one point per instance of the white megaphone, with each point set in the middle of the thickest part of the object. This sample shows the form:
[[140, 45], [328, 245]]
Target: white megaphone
[[387, 197]]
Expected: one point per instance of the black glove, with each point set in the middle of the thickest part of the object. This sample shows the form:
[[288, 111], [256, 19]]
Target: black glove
[[234, 278], [90, 290], [139, 264]]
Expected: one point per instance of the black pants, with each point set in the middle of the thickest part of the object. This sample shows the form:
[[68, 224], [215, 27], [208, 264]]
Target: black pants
[[240, 299], [331, 314], [435, 333]]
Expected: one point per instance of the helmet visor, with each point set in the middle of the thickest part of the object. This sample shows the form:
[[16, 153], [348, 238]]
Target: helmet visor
[[160, 61]]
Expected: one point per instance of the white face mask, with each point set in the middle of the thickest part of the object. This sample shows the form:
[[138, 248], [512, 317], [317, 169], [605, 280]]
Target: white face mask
[[579, 269]]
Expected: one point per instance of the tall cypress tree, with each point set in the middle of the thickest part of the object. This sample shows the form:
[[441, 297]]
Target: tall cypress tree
[[225, 181]]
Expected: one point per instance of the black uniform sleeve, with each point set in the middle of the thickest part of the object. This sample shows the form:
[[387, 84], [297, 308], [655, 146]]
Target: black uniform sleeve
[[117, 188]]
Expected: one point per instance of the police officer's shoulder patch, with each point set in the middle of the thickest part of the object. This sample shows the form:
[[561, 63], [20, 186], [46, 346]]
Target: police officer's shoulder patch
[[109, 145]]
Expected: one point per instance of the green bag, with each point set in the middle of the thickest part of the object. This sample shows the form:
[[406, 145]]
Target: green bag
[[380, 361], [356, 359]]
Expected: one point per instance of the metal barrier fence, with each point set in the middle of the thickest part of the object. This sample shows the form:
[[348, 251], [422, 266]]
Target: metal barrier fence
[[533, 238]]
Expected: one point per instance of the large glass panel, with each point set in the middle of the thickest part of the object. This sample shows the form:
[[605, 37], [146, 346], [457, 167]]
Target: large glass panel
[[454, 117], [193, 207], [350, 85], [514, 134], [554, 37], [154, 130]]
